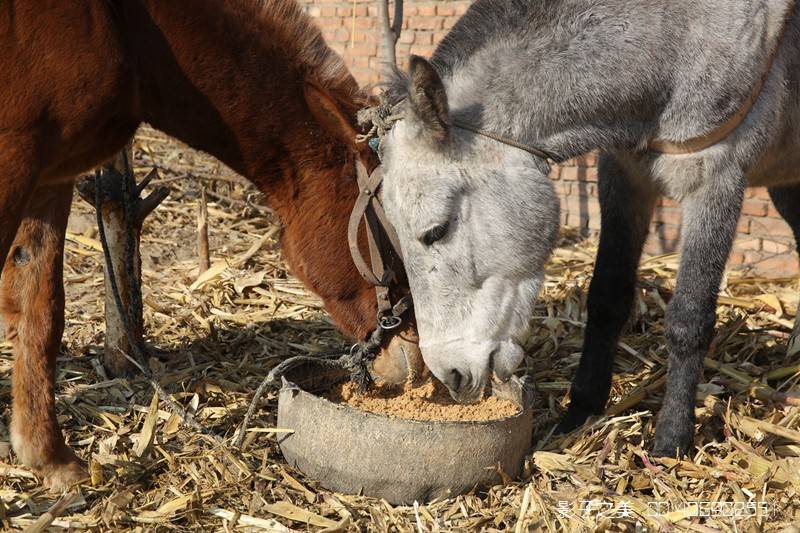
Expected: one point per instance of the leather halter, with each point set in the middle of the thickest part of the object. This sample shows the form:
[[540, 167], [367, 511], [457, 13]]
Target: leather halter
[[384, 247], [721, 132]]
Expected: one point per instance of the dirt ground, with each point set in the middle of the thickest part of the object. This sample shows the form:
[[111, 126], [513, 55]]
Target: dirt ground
[[214, 341]]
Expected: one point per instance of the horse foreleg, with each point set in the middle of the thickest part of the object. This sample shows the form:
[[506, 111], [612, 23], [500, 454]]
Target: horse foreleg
[[32, 303], [710, 215], [786, 200], [626, 204]]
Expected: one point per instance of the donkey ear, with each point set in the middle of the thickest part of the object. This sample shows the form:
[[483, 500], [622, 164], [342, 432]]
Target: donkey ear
[[428, 99], [331, 115]]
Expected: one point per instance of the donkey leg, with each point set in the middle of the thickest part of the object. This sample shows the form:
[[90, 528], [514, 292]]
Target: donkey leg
[[710, 215], [32, 303], [626, 204], [786, 200]]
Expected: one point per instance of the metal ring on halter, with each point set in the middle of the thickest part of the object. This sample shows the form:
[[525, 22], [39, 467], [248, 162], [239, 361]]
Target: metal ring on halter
[[390, 322], [353, 348]]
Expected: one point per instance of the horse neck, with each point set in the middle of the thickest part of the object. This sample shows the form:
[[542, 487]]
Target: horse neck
[[548, 73], [210, 77]]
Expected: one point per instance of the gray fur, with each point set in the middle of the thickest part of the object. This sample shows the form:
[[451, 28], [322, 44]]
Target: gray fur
[[570, 76]]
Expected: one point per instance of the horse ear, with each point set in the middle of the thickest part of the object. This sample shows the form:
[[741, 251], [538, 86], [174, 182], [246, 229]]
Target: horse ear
[[428, 98], [331, 115]]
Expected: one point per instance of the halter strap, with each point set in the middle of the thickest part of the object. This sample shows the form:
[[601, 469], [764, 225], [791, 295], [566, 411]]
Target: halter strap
[[384, 246], [538, 152]]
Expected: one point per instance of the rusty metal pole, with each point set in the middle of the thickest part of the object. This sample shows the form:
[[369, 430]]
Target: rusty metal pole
[[113, 178]]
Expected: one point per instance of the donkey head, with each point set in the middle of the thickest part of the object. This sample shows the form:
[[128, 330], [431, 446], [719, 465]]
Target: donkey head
[[476, 221]]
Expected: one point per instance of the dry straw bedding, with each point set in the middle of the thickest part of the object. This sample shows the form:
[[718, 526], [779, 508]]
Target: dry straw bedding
[[215, 340]]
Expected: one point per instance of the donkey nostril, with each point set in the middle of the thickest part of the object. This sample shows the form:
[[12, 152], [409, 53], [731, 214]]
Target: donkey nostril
[[455, 379]]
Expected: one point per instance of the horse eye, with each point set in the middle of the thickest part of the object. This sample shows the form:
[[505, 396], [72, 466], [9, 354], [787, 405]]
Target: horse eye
[[434, 234]]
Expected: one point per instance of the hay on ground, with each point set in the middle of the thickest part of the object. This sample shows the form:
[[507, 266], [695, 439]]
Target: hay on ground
[[216, 336]]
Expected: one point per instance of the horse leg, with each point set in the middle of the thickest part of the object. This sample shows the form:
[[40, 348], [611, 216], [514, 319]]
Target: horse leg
[[786, 200], [710, 215], [626, 204], [32, 303]]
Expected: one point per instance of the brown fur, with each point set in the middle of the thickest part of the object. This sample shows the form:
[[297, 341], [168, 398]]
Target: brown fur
[[224, 76]]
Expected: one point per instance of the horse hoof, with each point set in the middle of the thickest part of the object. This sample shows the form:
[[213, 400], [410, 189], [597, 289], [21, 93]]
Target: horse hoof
[[58, 478]]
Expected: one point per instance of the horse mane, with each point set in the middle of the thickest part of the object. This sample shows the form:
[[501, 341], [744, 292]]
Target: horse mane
[[292, 30]]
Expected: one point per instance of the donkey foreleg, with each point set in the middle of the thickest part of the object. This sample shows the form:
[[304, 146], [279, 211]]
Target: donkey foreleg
[[786, 200], [626, 204], [32, 303], [710, 215]]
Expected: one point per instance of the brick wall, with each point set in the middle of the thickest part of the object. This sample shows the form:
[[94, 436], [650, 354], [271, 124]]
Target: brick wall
[[764, 243]]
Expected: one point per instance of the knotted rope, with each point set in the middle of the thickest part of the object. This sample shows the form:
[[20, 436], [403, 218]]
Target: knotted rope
[[379, 119]]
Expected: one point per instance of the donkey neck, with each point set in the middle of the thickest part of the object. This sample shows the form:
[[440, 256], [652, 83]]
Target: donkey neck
[[222, 77], [574, 75]]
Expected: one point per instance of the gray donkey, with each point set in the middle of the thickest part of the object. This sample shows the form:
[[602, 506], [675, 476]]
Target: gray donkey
[[477, 217]]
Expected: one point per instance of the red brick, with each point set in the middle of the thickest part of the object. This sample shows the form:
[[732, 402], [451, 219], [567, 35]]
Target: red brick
[[569, 173], [755, 207], [449, 22], [445, 9], [426, 23], [769, 264], [667, 232], [367, 49], [329, 22], [736, 258], [587, 173], [423, 37], [744, 225], [359, 61], [769, 226], [424, 51], [752, 244], [342, 35], [407, 37], [761, 193], [776, 247], [772, 212], [327, 11], [426, 10], [671, 215]]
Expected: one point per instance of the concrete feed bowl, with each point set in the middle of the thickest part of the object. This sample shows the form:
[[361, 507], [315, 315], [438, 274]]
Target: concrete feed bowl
[[353, 451]]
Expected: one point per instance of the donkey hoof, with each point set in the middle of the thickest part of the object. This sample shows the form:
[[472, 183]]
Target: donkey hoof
[[673, 443], [572, 420], [60, 477]]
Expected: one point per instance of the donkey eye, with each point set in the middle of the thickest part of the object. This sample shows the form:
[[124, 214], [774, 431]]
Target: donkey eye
[[434, 234]]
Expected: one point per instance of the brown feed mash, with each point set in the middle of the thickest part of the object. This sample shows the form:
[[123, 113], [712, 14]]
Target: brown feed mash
[[426, 401]]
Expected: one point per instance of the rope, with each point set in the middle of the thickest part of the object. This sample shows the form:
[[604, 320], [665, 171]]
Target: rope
[[381, 118], [354, 360]]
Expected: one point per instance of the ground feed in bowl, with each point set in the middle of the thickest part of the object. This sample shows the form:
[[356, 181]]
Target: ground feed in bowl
[[426, 401]]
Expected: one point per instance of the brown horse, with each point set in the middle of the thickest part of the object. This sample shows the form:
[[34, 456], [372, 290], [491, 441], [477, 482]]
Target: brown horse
[[250, 81]]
